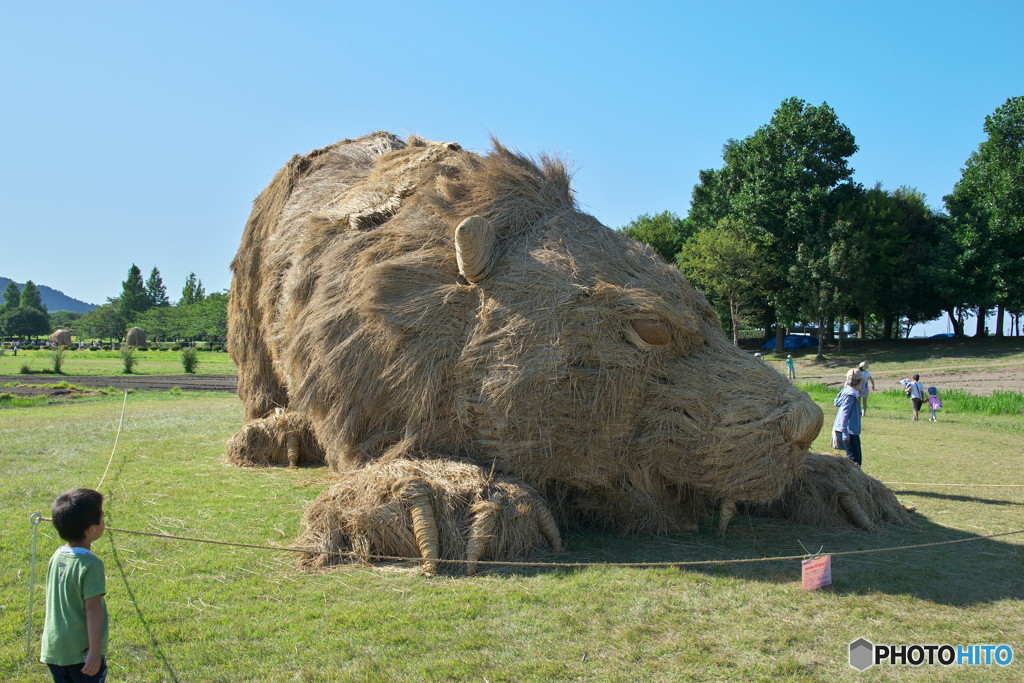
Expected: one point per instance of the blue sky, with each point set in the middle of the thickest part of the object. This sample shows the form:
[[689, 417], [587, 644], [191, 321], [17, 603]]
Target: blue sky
[[141, 132]]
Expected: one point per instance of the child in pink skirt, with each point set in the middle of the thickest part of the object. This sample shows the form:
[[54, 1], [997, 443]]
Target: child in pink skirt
[[934, 403]]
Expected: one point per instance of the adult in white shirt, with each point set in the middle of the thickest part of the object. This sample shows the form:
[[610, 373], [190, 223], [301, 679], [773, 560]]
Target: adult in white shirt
[[915, 390]]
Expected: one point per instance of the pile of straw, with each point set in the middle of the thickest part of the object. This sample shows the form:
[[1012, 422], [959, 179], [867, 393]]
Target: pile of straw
[[413, 301], [135, 337], [61, 337]]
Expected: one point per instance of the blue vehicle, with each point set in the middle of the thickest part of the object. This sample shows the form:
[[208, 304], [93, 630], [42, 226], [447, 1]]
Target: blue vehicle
[[793, 341]]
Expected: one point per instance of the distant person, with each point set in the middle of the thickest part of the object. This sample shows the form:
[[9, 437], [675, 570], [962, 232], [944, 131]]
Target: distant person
[[864, 386], [934, 403], [757, 355], [915, 391], [75, 631], [15, 348], [847, 422], [791, 367]]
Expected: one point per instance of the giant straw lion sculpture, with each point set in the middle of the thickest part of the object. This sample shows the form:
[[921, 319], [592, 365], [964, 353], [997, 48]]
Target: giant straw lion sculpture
[[483, 364]]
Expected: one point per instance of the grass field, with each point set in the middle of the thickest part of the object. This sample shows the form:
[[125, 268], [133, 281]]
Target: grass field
[[99, 363], [196, 612]]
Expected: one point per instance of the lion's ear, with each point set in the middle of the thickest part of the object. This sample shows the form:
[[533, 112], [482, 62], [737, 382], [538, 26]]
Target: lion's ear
[[474, 248]]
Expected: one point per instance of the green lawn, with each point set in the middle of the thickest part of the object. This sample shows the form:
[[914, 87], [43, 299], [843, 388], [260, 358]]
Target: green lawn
[[190, 612], [100, 363]]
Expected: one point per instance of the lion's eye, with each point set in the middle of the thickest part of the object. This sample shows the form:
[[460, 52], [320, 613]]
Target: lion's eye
[[654, 332]]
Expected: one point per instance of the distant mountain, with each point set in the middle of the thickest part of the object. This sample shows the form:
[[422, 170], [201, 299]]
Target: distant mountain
[[53, 299]]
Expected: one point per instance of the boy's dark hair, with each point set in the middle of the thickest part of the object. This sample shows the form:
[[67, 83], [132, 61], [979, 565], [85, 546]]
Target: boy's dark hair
[[917, 377], [75, 511]]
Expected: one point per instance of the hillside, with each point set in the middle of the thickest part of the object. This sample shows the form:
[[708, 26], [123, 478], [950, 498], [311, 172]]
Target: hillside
[[53, 299]]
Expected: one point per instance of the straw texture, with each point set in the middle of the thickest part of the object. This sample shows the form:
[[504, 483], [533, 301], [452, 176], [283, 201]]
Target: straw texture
[[414, 302]]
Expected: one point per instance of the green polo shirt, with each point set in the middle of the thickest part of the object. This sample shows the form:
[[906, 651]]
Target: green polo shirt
[[73, 576]]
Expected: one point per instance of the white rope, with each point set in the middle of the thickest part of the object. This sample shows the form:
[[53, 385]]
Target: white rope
[[116, 437]]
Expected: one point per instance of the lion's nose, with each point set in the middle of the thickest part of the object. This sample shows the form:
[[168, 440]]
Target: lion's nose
[[803, 422]]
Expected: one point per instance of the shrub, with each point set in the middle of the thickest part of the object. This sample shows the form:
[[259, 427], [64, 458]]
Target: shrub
[[57, 357], [142, 348], [189, 360], [93, 348], [128, 359], [25, 369], [175, 347], [218, 347]]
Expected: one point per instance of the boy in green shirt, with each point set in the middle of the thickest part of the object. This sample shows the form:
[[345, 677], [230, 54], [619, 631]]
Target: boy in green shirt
[[75, 632]]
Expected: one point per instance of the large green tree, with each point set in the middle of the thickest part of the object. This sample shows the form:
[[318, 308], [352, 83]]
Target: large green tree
[[987, 208], [103, 322], [162, 323], [664, 232], [65, 320], [206, 319], [900, 253], [725, 263], [156, 292], [779, 181], [12, 296], [193, 291], [133, 300], [31, 297]]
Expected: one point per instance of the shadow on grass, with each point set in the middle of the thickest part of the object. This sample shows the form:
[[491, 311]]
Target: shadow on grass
[[959, 574], [958, 498]]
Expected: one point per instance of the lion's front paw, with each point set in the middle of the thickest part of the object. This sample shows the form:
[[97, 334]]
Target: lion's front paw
[[436, 510], [280, 439], [832, 491]]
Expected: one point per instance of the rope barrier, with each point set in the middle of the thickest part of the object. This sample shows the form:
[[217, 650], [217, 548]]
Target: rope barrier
[[116, 437], [921, 483], [681, 563]]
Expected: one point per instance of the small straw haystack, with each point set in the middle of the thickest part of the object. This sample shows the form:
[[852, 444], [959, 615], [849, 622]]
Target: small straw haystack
[[135, 337], [410, 302], [61, 337]]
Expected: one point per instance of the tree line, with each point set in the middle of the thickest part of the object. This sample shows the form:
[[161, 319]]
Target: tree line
[[23, 313], [141, 303], [782, 234]]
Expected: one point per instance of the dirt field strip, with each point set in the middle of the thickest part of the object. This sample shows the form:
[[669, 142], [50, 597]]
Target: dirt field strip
[[227, 383]]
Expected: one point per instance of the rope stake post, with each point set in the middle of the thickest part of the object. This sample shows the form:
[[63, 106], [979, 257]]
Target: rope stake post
[[35, 518]]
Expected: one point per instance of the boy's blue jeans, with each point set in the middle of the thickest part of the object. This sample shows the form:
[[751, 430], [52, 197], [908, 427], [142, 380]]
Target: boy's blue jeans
[[73, 673], [852, 447]]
